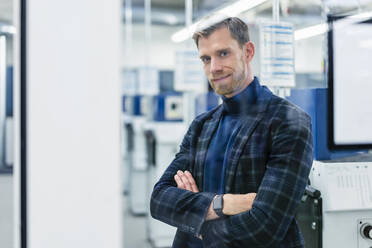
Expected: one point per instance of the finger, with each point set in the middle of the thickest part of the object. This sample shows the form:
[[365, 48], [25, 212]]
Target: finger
[[192, 182], [179, 182], [184, 180]]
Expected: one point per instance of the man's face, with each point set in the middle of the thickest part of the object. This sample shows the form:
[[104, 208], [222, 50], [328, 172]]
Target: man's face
[[225, 62]]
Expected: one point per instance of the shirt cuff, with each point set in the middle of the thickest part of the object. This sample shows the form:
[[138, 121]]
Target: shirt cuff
[[207, 202]]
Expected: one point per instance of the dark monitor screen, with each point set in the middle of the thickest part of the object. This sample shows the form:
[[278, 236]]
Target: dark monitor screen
[[350, 82]]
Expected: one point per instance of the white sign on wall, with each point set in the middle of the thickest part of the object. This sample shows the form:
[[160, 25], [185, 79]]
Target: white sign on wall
[[277, 54]]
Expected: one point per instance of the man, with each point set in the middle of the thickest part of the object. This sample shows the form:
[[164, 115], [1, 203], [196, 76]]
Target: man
[[242, 167]]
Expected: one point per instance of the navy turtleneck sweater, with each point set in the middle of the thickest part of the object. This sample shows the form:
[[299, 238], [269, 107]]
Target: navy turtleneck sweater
[[219, 148], [221, 143]]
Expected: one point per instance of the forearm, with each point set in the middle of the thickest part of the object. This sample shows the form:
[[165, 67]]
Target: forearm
[[232, 204], [180, 208], [237, 203], [176, 206], [247, 229]]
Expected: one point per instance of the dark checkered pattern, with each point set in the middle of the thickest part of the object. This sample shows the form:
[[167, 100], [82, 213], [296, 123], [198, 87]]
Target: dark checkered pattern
[[272, 155]]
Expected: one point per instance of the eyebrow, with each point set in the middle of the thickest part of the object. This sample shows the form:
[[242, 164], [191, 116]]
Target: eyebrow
[[204, 56], [223, 50], [227, 49]]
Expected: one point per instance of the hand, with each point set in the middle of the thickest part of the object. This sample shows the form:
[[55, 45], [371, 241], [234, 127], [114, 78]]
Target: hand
[[185, 181], [237, 203]]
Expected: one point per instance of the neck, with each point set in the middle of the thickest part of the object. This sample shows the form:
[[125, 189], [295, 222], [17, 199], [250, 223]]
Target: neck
[[247, 82], [242, 102]]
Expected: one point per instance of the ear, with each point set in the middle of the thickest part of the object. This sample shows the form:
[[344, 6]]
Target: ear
[[249, 50]]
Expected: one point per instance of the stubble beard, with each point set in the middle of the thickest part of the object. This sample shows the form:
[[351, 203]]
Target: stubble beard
[[238, 78], [237, 82]]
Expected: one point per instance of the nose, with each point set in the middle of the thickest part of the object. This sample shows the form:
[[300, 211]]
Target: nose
[[216, 66]]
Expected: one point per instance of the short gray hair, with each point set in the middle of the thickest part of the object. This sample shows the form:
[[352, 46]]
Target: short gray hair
[[238, 30]]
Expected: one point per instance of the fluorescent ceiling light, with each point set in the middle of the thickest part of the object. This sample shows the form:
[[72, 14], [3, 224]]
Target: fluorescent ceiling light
[[310, 31], [184, 33], [239, 7], [229, 11], [319, 29], [364, 15]]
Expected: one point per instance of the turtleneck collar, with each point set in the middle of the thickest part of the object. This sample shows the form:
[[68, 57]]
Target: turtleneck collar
[[241, 102]]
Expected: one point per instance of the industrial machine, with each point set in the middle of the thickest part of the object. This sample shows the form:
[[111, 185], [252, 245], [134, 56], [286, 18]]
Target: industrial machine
[[126, 135], [336, 210], [346, 189], [163, 137], [136, 143], [6, 102]]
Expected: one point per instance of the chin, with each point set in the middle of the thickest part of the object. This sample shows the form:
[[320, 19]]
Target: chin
[[223, 92], [222, 88]]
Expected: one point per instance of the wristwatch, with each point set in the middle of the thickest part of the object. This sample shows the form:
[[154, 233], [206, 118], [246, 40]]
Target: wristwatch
[[218, 205]]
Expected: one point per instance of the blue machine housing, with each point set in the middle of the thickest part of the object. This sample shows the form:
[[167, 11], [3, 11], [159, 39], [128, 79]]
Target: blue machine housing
[[132, 105], [136, 106], [314, 102], [205, 102], [159, 107], [123, 106]]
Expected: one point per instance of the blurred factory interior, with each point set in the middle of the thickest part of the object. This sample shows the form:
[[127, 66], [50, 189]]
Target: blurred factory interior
[[96, 97]]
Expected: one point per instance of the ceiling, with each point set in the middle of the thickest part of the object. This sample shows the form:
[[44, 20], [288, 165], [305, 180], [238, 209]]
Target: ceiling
[[171, 12], [180, 4]]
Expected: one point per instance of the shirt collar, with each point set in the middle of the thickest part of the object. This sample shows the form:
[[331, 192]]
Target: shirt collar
[[241, 102]]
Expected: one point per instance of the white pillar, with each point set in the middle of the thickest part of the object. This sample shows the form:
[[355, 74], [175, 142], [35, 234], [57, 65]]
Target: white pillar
[[72, 124]]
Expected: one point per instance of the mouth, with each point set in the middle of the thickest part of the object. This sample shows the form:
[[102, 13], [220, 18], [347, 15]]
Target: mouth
[[220, 78]]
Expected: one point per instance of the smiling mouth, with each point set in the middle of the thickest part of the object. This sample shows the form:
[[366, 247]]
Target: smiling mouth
[[221, 78]]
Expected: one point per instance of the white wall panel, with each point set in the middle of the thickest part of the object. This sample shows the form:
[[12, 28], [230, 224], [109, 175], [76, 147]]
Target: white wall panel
[[73, 122]]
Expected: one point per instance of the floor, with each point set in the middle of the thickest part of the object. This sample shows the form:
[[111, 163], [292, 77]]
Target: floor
[[134, 235], [6, 211]]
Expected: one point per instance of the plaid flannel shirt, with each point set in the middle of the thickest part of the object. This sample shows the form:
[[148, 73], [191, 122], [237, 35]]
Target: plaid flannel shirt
[[272, 155]]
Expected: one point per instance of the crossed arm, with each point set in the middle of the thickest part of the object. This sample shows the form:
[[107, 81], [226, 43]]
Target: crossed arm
[[233, 203], [266, 218]]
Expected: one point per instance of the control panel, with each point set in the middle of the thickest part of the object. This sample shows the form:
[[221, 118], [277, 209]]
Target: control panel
[[173, 107], [364, 229]]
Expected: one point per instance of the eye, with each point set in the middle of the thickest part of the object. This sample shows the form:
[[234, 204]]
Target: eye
[[223, 54], [205, 60]]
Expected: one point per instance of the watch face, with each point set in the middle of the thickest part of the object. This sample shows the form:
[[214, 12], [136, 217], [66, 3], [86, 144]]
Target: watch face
[[217, 203]]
